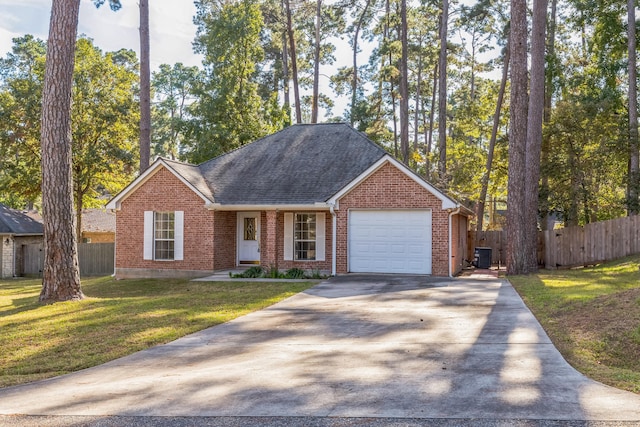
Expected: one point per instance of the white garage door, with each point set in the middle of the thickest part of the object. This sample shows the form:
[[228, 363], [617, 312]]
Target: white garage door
[[390, 241]]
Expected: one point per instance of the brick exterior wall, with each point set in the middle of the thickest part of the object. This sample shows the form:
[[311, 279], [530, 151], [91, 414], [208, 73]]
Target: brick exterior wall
[[6, 256], [210, 237], [164, 192], [224, 240], [390, 188]]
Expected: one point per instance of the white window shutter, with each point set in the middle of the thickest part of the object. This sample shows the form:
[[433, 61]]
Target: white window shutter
[[178, 235], [320, 236], [288, 236], [148, 235]]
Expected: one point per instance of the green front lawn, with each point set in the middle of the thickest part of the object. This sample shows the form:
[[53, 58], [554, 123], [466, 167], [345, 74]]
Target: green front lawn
[[592, 315], [117, 318]]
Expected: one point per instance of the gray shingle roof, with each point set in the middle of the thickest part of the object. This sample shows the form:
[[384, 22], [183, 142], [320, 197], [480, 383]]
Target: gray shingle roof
[[301, 164], [98, 221], [193, 175], [15, 222]]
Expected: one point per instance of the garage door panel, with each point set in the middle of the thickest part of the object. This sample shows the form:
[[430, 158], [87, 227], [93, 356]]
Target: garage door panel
[[390, 241]]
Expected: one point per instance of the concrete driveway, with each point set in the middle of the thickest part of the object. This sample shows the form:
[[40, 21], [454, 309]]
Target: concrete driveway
[[353, 346]]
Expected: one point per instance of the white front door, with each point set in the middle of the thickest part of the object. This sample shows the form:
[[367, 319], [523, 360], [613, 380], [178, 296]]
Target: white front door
[[248, 238]]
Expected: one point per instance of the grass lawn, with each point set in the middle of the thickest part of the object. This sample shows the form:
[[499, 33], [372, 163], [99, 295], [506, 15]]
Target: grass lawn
[[115, 319], [592, 315]]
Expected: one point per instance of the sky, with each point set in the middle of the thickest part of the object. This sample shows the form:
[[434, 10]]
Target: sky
[[171, 30], [171, 27]]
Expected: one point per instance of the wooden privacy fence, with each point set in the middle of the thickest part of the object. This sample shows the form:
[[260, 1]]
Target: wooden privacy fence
[[95, 259], [497, 241], [571, 246], [593, 243]]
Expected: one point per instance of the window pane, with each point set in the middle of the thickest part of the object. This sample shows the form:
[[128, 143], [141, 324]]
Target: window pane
[[250, 229], [304, 236], [305, 251], [164, 235]]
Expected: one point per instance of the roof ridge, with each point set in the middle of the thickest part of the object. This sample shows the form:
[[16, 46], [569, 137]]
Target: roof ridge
[[282, 130], [246, 145], [177, 161]]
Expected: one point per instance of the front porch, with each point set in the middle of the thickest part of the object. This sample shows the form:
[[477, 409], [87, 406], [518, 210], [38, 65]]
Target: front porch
[[273, 239]]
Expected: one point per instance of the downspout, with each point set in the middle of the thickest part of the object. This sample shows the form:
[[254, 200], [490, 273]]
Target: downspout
[[13, 258], [451, 214], [115, 238], [334, 234]]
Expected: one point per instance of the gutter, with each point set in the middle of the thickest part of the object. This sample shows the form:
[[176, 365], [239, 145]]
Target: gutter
[[451, 214], [283, 207], [333, 238]]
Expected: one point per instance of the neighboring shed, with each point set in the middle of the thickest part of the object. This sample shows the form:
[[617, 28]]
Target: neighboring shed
[[16, 230]]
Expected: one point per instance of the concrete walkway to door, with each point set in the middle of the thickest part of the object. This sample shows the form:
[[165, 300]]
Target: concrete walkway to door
[[353, 346]]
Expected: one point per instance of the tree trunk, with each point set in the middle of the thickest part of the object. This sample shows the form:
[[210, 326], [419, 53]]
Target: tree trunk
[[432, 114], [285, 76], [543, 197], [442, 96], [404, 86], [316, 65], [492, 141], [516, 203], [294, 62], [534, 130], [354, 80], [145, 88], [387, 32], [418, 104], [634, 167], [61, 275]]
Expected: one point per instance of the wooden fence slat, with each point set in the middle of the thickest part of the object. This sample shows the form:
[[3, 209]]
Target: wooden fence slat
[[571, 246], [95, 259]]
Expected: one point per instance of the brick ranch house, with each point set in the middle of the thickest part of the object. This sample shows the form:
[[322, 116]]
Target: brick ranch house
[[316, 197]]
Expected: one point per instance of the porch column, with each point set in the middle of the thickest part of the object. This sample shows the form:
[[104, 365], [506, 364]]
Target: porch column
[[269, 255]]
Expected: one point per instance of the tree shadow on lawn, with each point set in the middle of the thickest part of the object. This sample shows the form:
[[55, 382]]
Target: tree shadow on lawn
[[98, 329]]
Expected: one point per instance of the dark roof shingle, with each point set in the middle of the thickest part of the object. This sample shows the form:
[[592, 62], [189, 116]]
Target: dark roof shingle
[[15, 222], [301, 164]]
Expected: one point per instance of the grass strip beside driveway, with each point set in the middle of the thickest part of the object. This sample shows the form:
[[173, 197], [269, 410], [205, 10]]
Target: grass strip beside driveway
[[117, 318], [592, 315]]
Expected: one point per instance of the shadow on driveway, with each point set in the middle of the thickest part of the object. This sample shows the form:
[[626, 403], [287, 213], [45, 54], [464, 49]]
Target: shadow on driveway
[[402, 347]]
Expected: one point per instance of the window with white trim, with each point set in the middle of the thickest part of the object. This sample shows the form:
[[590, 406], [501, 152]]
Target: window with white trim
[[164, 236], [304, 237]]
